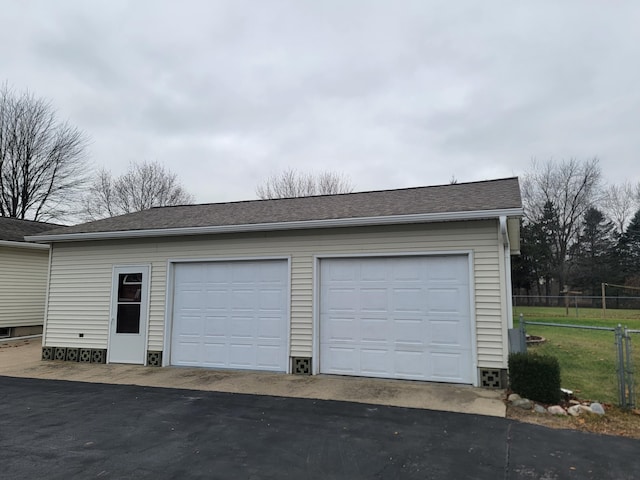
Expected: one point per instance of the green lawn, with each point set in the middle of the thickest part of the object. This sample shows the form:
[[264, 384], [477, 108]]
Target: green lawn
[[587, 357]]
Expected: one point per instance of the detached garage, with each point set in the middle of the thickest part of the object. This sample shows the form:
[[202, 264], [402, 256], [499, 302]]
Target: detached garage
[[409, 284]]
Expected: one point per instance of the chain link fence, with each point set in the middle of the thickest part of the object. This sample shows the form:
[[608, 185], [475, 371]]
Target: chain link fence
[[622, 351], [577, 302]]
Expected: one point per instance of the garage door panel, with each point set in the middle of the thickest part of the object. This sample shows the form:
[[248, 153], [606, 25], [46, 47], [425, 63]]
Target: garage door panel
[[411, 331], [270, 300], [448, 366], [372, 299], [235, 315], [408, 300], [408, 317], [447, 333], [343, 360], [410, 364], [374, 362]]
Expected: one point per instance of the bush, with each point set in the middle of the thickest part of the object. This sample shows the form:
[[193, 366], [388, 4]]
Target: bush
[[536, 377]]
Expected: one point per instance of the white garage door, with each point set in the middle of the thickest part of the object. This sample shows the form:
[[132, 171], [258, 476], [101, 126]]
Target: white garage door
[[396, 317], [231, 315]]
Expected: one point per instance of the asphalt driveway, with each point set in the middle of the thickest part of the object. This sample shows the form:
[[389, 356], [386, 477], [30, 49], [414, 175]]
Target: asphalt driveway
[[57, 429]]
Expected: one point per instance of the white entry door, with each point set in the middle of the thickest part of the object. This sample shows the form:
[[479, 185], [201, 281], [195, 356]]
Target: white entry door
[[129, 316], [396, 317], [231, 314]]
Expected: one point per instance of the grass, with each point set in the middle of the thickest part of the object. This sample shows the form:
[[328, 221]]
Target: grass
[[587, 358]]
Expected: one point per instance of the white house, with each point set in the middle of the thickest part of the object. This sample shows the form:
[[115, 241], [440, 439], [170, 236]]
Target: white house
[[23, 277]]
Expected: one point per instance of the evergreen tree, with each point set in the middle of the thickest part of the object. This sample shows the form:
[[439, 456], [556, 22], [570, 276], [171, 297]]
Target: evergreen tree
[[629, 249], [593, 255]]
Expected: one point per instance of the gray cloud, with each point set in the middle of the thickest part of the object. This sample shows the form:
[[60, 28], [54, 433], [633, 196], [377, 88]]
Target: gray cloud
[[392, 93]]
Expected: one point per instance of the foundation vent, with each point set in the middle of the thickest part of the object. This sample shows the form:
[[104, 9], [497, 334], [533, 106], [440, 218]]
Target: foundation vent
[[493, 378], [301, 365], [73, 354], [60, 353], [154, 359], [98, 355], [85, 355], [47, 353]]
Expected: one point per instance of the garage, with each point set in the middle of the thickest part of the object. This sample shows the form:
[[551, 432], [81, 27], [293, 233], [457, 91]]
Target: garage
[[405, 317], [231, 314]]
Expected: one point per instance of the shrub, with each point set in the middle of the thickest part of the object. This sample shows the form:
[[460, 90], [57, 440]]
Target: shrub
[[536, 377]]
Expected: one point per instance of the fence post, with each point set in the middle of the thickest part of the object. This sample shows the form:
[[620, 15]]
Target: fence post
[[523, 334], [620, 364], [631, 402]]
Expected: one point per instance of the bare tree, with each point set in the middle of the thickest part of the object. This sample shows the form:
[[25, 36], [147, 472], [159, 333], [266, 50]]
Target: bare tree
[[42, 160], [143, 186], [567, 188], [291, 183], [620, 202]]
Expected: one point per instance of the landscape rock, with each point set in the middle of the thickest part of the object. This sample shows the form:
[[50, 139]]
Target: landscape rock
[[574, 410], [539, 408], [556, 410], [597, 408], [586, 408], [523, 403], [574, 402], [513, 397]]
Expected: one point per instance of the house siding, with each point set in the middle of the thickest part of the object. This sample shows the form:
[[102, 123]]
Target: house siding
[[23, 284], [80, 285]]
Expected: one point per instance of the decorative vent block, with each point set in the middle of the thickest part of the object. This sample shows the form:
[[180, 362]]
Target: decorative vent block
[[47, 353], [301, 365], [493, 378], [85, 355], [73, 354], [154, 359], [61, 353], [98, 355]]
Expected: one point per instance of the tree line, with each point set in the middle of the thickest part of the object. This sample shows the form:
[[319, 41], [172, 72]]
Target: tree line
[[577, 232]]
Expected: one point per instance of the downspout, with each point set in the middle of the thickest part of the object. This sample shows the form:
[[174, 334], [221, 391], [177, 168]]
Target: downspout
[[507, 270]]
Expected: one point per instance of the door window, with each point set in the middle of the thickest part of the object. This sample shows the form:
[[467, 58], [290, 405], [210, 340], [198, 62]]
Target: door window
[[129, 303]]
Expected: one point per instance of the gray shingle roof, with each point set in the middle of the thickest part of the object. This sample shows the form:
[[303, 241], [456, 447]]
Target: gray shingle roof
[[463, 197], [14, 229]]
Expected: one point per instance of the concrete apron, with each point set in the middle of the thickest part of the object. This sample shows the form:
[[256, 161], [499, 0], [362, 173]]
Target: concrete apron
[[22, 359]]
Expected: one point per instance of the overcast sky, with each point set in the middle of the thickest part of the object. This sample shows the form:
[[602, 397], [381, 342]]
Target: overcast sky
[[391, 93]]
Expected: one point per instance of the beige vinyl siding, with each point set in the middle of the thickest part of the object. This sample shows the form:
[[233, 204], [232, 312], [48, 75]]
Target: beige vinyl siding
[[23, 284], [74, 308]]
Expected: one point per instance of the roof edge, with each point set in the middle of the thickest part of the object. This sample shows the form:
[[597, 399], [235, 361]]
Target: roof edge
[[297, 225], [10, 243]]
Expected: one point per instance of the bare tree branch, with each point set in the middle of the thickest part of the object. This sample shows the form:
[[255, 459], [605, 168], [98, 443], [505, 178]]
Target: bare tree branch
[[143, 186], [291, 183], [42, 161], [571, 187], [620, 202]]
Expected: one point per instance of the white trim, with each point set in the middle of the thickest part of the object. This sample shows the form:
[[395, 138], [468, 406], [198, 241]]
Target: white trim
[[169, 295], [296, 225], [168, 314], [507, 271], [36, 246], [46, 299], [435, 253], [472, 319], [146, 290]]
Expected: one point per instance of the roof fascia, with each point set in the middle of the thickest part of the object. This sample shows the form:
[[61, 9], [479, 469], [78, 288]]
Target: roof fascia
[[297, 225], [36, 246]]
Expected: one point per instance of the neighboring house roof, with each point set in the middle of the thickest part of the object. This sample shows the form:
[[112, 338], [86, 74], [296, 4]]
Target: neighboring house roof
[[14, 229], [486, 199]]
